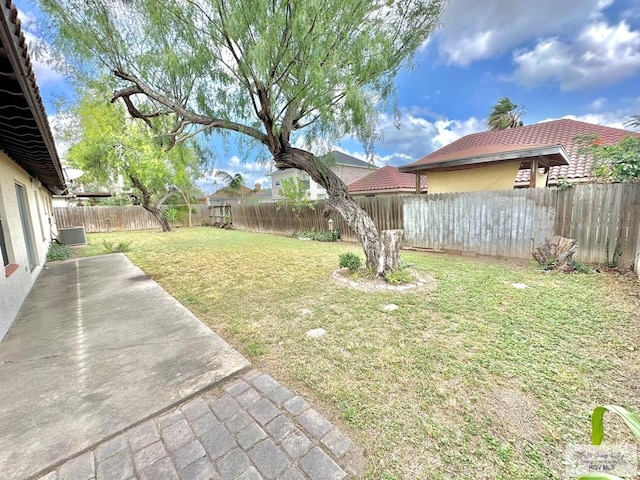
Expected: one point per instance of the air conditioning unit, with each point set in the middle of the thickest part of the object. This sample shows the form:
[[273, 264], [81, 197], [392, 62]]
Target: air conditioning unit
[[72, 236]]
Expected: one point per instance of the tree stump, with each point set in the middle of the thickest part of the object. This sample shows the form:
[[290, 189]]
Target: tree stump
[[390, 252], [556, 253]]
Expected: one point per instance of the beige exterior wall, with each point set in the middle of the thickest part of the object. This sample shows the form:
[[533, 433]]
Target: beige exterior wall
[[14, 288], [498, 176], [541, 179], [349, 174]]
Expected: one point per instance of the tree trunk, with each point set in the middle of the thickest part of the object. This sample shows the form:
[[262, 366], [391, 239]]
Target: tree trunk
[[186, 202], [378, 257], [159, 216], [556, 253], [390, 254], [146, 203]]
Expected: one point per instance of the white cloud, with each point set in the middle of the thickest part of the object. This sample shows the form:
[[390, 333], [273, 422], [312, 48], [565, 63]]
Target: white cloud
[[39, 50], [598, 103], [601, 54], [607, 119], [418, 136], [475, 30], [252, 172]]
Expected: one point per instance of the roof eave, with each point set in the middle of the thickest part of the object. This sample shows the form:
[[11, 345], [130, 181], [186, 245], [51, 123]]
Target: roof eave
[[387, 190], [10, 39], [554, 156]]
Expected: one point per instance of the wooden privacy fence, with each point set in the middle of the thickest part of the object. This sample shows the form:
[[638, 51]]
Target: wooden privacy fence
[[603, 218], [114, 219], [267, 218]]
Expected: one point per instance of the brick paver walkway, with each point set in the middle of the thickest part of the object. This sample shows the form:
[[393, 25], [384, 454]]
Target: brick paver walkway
[[254, 429]]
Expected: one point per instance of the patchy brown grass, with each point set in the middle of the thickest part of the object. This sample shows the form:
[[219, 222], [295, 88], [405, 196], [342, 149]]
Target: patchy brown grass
[[476, 379]]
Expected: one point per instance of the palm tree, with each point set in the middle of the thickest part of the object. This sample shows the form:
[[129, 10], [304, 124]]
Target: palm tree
[[505, 114], [235, 183], [633, 122]]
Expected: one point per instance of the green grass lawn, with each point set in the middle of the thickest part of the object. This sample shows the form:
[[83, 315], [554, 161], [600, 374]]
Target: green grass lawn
[[476, 379]]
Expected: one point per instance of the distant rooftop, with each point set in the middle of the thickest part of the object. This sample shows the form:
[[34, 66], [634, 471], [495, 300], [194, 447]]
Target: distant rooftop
[[340, 158], [335, 157], [387, 179]]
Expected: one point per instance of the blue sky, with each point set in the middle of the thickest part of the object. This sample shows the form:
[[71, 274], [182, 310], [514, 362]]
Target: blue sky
[[557, 58]]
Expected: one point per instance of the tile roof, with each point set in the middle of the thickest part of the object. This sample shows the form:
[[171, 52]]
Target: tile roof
[[557, 132], [387, 179], [25, 135]]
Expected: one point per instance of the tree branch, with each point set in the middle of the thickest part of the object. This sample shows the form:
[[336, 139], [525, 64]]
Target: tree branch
[[181, 111]]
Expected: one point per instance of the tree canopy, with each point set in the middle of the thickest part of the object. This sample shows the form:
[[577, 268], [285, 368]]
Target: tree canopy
[[505, 114], [294, 194], [108, 146], [274, 71]]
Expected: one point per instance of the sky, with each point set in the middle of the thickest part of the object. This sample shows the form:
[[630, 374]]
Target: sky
[[575, 59]]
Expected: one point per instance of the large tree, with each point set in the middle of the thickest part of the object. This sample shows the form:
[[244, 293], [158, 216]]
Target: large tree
[[269, 70], [108, 145], [505, 114]]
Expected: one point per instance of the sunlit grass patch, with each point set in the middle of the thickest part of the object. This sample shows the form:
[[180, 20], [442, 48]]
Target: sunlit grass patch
[[476, 379]]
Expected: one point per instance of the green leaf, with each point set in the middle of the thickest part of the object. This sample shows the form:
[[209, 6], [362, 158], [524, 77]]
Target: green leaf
[[597, 428], [599, 476]]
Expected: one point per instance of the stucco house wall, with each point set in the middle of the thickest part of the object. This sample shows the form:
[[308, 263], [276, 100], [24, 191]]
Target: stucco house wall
[[498, 176], [19, 276], [349, 174]]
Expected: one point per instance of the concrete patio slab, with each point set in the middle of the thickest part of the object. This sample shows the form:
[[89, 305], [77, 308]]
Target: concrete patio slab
[[97, 347]]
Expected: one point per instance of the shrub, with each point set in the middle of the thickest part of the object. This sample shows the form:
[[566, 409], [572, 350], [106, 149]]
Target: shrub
[[176, 213], [116, 247], [350, 261], [317, 236], [57, 251], [398, 276], [326, 236]]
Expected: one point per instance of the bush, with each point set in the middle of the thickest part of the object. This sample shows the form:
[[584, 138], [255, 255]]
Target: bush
[[317, 236], [350, 261], [398, 276], [116, 247], [176, 213], [57, 251], [326, 236]]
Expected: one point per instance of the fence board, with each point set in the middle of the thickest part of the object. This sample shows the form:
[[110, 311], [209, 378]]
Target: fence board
[[506, 223], [113, 219], [386, 213], [511, 223]]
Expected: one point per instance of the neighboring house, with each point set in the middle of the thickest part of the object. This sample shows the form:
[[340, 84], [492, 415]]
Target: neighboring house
[[30, 171], [347, 168], [504, 159], [387, 181]]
